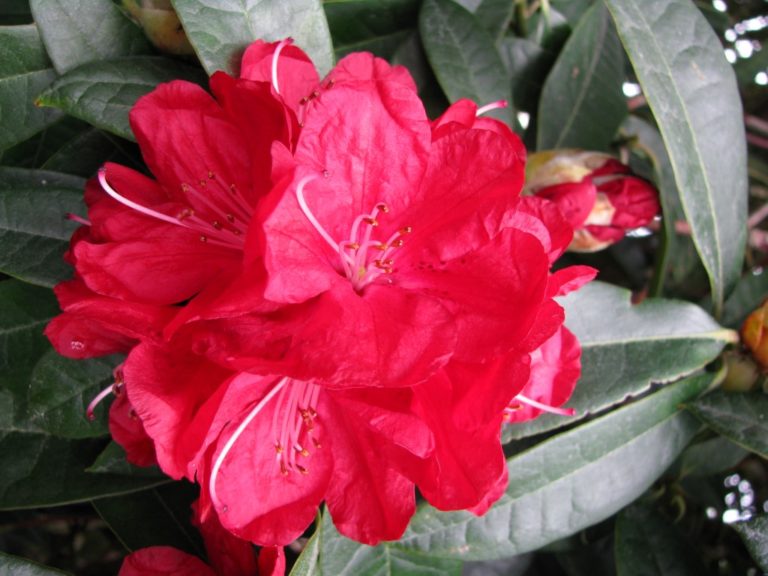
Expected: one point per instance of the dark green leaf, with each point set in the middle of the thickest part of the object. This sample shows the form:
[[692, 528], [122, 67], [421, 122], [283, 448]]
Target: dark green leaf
[[528, 64], [13, 12], [463, 56], [24, 72], [568, 482], [34, 233], [749, 293], [573, 10], [157, 517], [220, 31], [649, 545], [710, 457], [15, 566], [582, 103], [42, 470], [742, 417], [342, 557], [79, 31], [307, 562], [112, 461], [625, 348], [754, 533], [102, 93], [495, 16], [371, 25], [692, 91]]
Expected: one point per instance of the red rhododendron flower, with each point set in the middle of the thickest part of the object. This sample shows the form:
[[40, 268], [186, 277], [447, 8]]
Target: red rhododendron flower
[[359, 295], [227, 555], [596, 193]]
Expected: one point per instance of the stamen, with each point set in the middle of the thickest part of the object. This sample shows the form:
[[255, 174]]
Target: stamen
[[89, 412], [131, 204], [546, 407], [275, 57], [232, 439], [308, 213], [78, 219], [492, 106]]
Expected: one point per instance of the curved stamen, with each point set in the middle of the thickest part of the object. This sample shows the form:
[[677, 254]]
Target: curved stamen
[[78, 219], [308, 213], [89, 412], [232, 439], [131, 204], [545, 407], [492, 106], [275, 57]]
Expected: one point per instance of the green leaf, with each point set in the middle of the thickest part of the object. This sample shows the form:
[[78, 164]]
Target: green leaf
[[568, 482], [711, 457], [582, 104], [307, 562], [34, 233], [754, 533], [692, 92], [60, 390], [495, 16], [220, 31], [647, 544], [15, 566], [371, 25], [14, 12], [340, 556], [463, 56], [528, 64], [157, 517], [79, 31], [742, 417], [573, 10], [749, 293], [24, 72], [625, 348], [102, 93], [112, 460], [41, 470]]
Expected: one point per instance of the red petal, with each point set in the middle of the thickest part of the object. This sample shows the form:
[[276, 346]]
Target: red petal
[[128, 431], [228, 554], [163, 561]]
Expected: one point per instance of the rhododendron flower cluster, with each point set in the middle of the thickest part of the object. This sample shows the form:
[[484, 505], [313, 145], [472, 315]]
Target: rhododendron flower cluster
[[323, 296], [598, 195]]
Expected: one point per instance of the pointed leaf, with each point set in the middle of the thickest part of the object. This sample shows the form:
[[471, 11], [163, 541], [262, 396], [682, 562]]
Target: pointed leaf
[[495, 16], [15, 566], [220, 31], [710, 457], [157, 517], [568, 482], [626, 348], [692, 91], [79, 31], [307, 562], [754, 533], [582, 103], [34, 233], [463, 56], [102, 93], [25, 71], [742, 417], [340, 556], [647, 544]]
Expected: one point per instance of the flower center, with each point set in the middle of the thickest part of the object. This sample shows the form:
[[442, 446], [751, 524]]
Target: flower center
[[228, 211], [363, 258], [293, 422]]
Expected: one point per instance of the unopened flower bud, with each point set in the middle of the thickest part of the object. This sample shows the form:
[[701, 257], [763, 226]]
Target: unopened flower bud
[[596, 193], [754, 334], [160, 24]]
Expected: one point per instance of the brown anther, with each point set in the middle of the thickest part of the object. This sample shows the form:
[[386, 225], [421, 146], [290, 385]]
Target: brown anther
[[132, 414], [203, 183], [397, 243], [216, 224], [383, 207], [406, 230], [312, 412], [184, 187], [304, 452], [278, 448], [230, 218], [283, 469], [185, 213], [316, 443], [382, 247], [303, 101], [370, 221], [203, 238], [315, 94], [330, 84], [301, 469], [353, 245], [211, 175]]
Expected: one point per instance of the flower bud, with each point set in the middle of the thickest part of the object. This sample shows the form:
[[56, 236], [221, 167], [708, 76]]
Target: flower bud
[[596, 193], [160, 24], [754, 334]]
